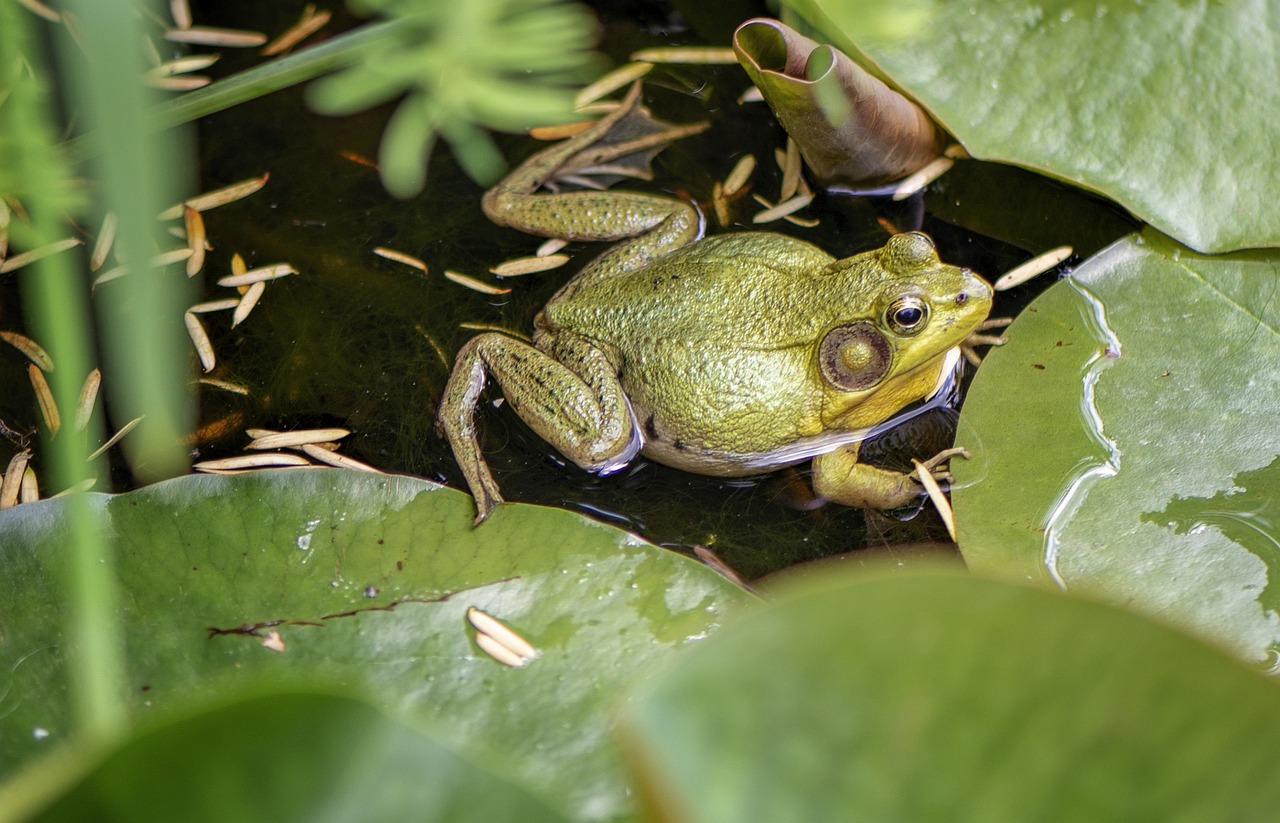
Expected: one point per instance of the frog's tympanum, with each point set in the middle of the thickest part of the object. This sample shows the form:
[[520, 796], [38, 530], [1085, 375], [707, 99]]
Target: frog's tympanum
[[729, 355]]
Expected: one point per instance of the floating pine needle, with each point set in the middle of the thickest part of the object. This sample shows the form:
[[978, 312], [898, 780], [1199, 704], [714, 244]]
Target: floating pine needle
[[939, 499], [624, 75], [529, 265], [182, 65], [213, 36], [502, 637], [225, 385], [48, 409], [159, 261], [323, 455], [689, 55], [30, 491], [301, 437], [401, 257], [1034, 267], [217, 197], [28, 347], [357, 158], [474, 284], [186, 82], [180, 10], [262, 273], [12, 483], [19, 260], [88, 397], [435, 346], [916, 182], [204, 348], [551, 246], [783, 209], [561, 131], [718, 565], [106, 239], [247, 301], [719, 204], [115, 438], [215, 305], [790, 170], [740, 174], [252, 461], [469, 326], [310, 23], [195, 240]]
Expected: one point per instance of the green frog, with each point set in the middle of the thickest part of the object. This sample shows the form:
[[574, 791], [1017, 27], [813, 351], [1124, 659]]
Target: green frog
[[727, 355]]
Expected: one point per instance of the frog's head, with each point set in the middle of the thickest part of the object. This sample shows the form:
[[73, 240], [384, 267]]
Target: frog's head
[[914, 308]]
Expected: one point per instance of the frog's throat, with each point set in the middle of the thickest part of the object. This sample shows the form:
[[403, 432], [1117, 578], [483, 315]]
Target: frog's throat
[[944, 393]]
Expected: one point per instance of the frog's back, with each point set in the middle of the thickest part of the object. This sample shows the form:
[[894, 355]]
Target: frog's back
[[734, 286]]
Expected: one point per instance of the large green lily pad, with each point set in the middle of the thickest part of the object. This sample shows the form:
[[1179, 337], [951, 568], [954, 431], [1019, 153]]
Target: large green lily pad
[[1125, 440], [949, 698], [1166, 107], [370, 578]]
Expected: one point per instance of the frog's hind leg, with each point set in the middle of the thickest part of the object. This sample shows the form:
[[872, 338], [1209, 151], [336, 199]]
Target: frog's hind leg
[[622, 143], [581, 411]]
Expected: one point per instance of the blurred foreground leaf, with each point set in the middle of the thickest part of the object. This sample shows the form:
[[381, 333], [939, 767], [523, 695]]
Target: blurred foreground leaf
[[461, 68], [292, 757], [947, 698]]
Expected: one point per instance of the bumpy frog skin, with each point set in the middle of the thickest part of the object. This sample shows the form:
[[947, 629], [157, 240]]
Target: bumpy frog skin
[[729, 355]]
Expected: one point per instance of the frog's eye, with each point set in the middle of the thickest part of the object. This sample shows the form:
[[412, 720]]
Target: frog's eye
[[854, 357], [907, 315]]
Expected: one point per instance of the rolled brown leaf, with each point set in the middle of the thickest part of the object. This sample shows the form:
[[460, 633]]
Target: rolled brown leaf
[[881, 136]]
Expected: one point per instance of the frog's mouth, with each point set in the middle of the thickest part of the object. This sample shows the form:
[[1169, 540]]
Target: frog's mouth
[[945, 393]]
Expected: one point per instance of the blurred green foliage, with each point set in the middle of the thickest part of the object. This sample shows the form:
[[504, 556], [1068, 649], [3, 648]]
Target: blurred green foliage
[[461, 68]]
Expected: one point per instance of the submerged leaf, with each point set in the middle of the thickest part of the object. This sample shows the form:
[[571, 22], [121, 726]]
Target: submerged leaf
[[854, 131]]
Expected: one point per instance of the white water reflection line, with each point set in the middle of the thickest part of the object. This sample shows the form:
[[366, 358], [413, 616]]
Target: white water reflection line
[[1107, 463]]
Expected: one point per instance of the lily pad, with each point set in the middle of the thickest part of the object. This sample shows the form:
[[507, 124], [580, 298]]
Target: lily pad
[[367, 580], [1161, 105], [1125, 441], [950, 698], [292, 756]]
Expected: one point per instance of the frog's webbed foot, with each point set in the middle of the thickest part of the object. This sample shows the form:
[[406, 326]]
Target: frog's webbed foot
[[969, 348], [839, 477], [622, 145]]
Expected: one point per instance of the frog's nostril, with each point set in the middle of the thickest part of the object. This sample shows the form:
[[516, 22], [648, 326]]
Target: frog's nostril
[[962, 298]]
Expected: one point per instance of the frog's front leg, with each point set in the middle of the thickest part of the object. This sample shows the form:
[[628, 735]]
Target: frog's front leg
[[582, 410], [838, 476]]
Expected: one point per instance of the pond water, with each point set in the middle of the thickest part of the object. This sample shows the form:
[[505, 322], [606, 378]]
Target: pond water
[[366, 343]]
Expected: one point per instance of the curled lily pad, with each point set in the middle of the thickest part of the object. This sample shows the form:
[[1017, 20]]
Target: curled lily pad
[[853, 131], [323, 576], [1125, 442]]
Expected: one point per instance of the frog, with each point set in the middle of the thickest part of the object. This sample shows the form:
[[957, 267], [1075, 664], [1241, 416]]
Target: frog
[[727, 355]]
